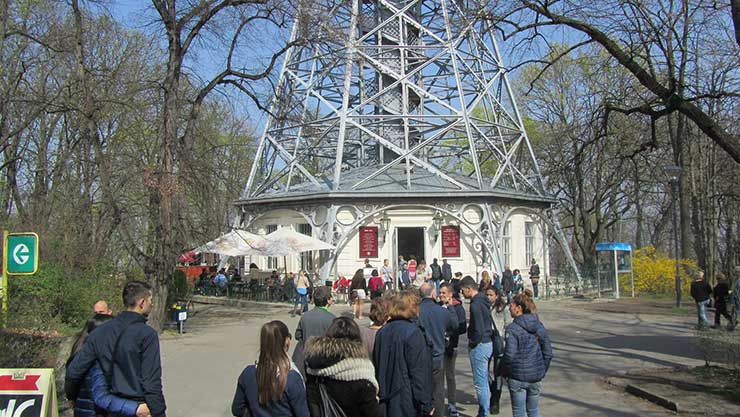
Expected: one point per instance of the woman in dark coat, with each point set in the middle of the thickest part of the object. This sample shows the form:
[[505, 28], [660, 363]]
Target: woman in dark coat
[[339, 360], [403, 361]]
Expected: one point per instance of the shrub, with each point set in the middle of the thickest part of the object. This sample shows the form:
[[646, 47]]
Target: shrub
[[60, 299], [655, 272]]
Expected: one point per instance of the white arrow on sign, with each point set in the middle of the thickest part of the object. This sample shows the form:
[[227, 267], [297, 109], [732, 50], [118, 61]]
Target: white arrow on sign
[[20, 254]]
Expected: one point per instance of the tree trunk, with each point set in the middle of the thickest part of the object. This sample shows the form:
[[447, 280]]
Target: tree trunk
[[167, 184], [638, 208]]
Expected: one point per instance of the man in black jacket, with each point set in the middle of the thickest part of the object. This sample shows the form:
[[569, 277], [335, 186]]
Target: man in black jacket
[[128, 352], [446, 271], [448, 300], [480, 341], [438, 323], [701, 291]]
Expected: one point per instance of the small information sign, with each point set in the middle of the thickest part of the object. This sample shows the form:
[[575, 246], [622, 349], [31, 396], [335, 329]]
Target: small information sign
[[450, 241], [22, 253], [368, 242]]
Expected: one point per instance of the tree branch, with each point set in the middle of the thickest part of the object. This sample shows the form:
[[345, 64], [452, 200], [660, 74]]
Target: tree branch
[[702, 120]]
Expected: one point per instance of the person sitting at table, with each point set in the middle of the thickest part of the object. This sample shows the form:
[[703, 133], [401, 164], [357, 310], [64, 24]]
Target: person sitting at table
[[235, 277], [220, 281]]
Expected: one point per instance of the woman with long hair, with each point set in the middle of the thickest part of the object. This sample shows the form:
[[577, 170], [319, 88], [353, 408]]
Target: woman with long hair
[[339, 362], [272, 387], [358, 293], [485, 281], [498, 308], [95, 391], [403, 360], [527, 356], [300, 303]]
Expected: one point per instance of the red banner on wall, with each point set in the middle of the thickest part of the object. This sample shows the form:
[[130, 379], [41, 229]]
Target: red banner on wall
[[450, 241], [369, 242]]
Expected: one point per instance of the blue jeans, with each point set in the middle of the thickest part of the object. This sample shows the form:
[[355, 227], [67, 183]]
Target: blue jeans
[[479, 357], [701, 311], [525, 398], [303, 300]]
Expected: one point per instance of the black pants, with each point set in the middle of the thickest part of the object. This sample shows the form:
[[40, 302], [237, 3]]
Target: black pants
[[721, 310], [438, 387], [495, 382], [449, 366]]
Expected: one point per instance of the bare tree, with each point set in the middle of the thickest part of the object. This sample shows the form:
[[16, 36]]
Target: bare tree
[[184, 26], [646, 39]]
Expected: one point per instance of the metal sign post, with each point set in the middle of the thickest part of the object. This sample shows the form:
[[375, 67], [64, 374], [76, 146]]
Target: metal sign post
[[4, 289]]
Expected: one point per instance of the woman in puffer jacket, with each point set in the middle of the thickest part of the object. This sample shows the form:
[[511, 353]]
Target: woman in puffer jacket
[[340, 362], [527, 356]]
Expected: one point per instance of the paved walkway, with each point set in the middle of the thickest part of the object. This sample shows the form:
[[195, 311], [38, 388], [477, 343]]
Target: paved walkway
[[201, 367]]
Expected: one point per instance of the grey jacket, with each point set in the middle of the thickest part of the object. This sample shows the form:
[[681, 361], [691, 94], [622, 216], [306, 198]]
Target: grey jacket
[[313, 323]]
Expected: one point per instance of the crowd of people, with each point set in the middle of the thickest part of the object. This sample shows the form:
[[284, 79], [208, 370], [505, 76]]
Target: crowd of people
[[403, 363]]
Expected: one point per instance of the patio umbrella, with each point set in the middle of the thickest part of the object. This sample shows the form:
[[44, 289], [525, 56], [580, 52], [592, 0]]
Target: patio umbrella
[[235, 243], [286, 242]]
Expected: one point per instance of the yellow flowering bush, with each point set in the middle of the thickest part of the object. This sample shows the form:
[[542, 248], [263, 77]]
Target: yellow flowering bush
[[655, 272]]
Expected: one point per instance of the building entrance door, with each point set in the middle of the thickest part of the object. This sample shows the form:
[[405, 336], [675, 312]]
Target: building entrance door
[[411, 242]]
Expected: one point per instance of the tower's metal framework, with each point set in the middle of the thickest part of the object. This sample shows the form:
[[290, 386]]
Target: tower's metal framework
[[410, 94]]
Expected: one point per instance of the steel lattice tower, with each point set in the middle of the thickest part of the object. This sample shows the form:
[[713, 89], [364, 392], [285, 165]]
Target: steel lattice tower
[[390, 84], [380, 101]]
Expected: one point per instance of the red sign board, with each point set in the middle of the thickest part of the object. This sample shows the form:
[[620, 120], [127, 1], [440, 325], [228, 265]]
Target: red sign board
[[450, 241], [369, 242]]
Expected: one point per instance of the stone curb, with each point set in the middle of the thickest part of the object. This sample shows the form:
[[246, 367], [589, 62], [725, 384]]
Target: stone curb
[[652, 397]]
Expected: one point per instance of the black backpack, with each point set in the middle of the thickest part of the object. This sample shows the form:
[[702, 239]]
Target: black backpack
[[436, 272]]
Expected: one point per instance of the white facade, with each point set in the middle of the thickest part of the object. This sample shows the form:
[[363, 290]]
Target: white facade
[[515, 246]]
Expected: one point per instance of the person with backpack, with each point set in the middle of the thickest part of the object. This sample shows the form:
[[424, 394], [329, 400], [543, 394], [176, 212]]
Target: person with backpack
[[375, 284], [527, 356], [436, 274], [338, 370]]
